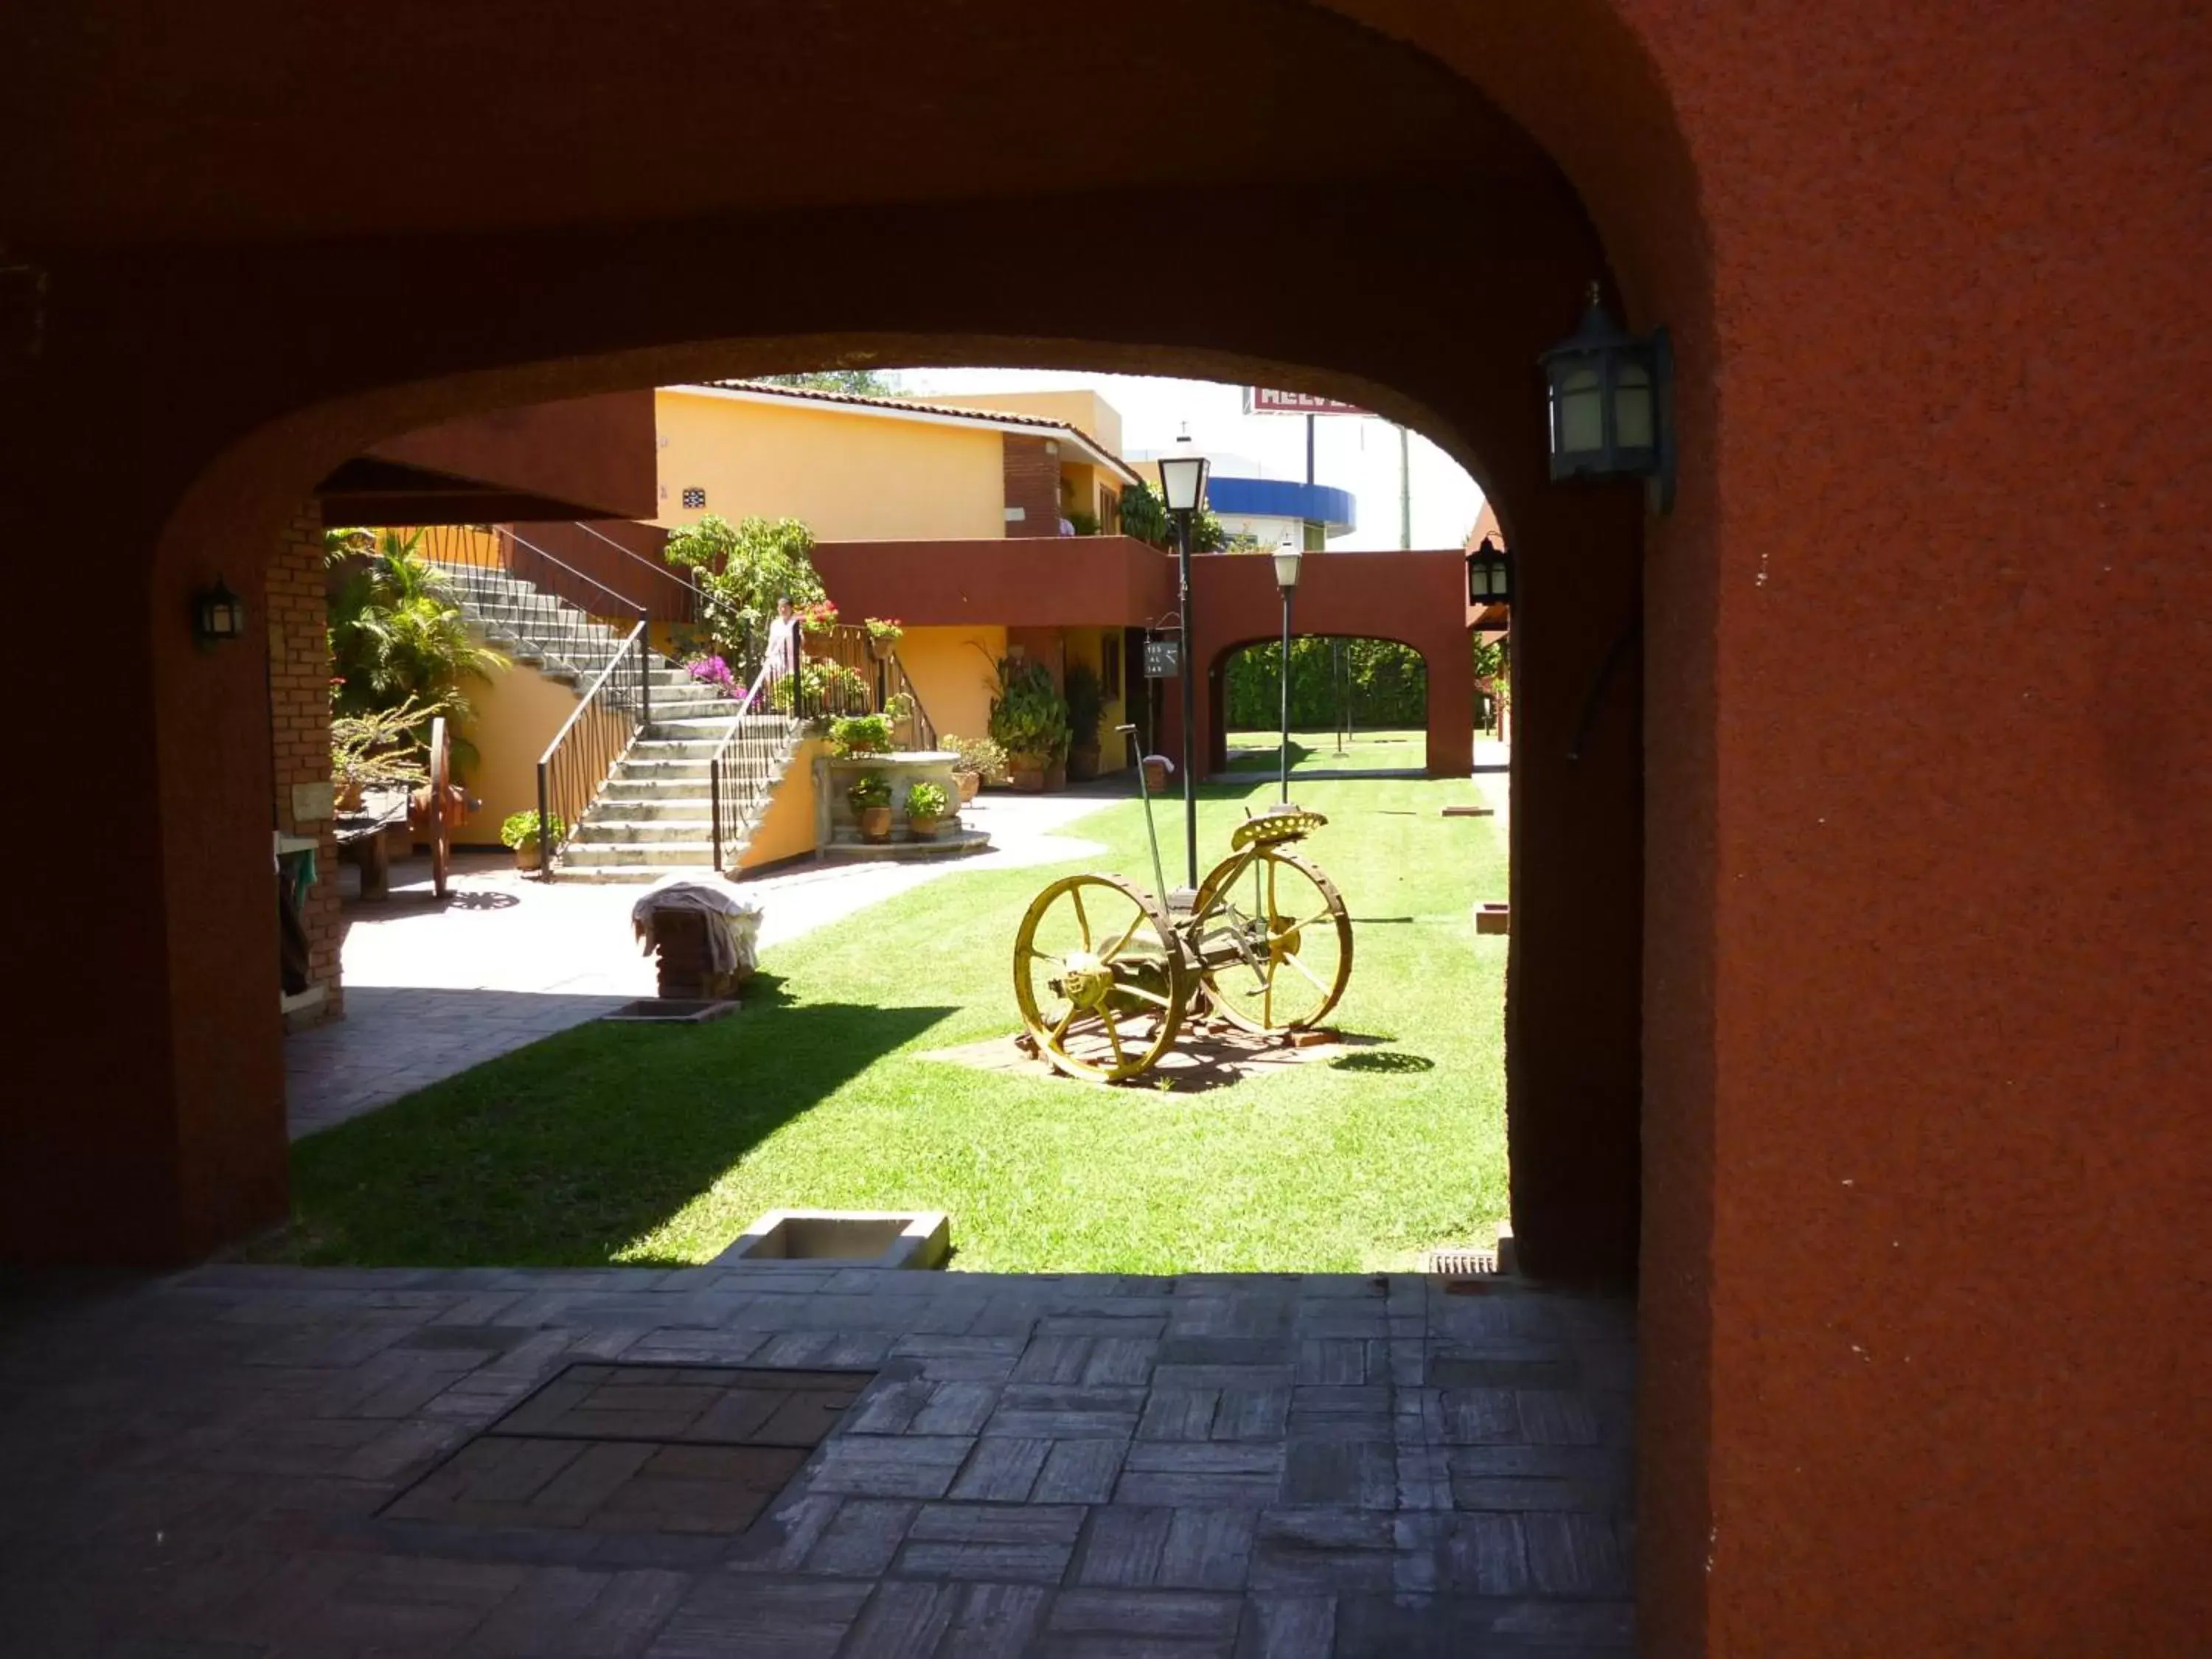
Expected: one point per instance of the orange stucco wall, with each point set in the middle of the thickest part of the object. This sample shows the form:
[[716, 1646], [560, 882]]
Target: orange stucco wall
[[952, 674], [787, 831]]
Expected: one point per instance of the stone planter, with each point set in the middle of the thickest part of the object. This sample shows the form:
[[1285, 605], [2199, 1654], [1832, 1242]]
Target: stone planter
[[875, 823], [1083, 763]]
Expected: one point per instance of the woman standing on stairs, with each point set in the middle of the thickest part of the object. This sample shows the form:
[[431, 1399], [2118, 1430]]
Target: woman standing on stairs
[[783, 650]]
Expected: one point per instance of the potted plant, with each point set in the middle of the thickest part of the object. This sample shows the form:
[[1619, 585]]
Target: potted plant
[[883, 636], [870, 798], [981, 761], [1028, 720], [1159, 770], [924, 810], [819, 618], [1086, 706], [861, 734], [519, 832]]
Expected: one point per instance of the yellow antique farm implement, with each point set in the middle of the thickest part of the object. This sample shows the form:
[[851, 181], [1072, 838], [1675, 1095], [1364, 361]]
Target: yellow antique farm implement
[[1106, 974]]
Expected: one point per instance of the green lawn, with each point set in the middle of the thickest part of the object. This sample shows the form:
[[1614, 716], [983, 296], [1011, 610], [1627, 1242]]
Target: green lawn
[[642, 1144], [1316, 751]]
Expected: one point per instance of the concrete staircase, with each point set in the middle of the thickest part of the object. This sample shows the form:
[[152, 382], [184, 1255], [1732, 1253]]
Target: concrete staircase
[[654, 816]]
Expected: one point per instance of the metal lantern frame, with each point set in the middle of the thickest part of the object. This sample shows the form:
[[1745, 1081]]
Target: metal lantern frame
[[1489, 574], [1611, 404], [218, 614]]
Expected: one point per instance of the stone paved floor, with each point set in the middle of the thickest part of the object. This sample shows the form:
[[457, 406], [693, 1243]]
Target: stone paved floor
[[432, 989], [1059, 1467]]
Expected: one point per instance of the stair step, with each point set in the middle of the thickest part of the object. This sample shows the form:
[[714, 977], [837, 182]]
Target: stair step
[[577, 852]]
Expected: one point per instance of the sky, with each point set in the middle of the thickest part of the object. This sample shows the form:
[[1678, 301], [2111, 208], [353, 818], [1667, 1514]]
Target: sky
[[1360, 455]]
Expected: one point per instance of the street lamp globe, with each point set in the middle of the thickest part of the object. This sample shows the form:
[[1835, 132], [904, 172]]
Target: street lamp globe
[[1183, 476], [1287, 560]]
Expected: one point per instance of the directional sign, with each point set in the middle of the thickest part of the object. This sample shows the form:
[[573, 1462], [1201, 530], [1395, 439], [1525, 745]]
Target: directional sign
[[1260, 400], [1163, 656]]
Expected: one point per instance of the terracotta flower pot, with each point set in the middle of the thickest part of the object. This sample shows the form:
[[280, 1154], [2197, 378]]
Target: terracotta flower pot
[[924, 828], [971, 785], [1027, 772], [1056, 776], [1083, 763], [525, 856], [1155, 777], [875, 823]]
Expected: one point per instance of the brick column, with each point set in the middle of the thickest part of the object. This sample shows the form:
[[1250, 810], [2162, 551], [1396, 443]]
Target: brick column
[[299, 737], [1032, 475]]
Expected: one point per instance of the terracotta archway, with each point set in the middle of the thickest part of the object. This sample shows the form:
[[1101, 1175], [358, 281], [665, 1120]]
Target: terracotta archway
[[1898, 1012]]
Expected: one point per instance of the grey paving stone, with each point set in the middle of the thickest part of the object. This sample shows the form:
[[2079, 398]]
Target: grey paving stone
[[1173, 1413], [1288, 1627], [1207, 1549], [909, 1466], [1120, 1360], [890, 1408], [1342, 1474], [995, 1621], [903, 1621], [781, 1540], [569, 1613], [1156, 1615], [1483, 1555], [1080, 1472], [1252, 1413], [1574, 1554], [1002, 1470], [1046, 1412], [732, 1616], [1315, 1552], [1477, 1416], [956, 1407], [1332, 1360], [1019, 1563], [1054, 1359], [1551, 1417], [1123, 1546], [998, 1523], [1271, 1350], [863, 1538], [1184, 1475]]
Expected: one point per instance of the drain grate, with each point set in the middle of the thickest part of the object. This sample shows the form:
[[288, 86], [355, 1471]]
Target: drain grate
[[638, 1447], [1459, 1263]]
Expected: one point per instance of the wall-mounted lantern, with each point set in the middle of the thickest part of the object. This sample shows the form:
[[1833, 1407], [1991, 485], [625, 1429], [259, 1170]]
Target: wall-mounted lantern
[[1489, 574], [1611, 413], [218, 614]]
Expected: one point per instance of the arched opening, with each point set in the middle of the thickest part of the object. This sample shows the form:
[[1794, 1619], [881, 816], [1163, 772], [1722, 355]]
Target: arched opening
[[1357, 703]]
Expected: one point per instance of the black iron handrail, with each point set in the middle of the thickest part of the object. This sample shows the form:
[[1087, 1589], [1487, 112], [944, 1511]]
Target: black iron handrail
[[743, 772], [592, 742], [688, 581]]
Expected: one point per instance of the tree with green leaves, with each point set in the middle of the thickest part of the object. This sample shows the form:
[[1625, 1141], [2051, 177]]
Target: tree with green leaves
[[1145, 515], [398, 636], [853, 382], [743, 569]]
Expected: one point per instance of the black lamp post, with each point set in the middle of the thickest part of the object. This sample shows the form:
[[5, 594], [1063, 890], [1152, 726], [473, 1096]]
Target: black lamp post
[[1182, 483], [1611, 414], [1287, 560]]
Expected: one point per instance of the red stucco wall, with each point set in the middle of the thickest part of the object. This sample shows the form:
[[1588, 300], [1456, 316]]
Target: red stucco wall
[[1923, 740]]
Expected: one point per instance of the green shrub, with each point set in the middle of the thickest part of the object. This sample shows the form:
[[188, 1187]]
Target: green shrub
[[1028, 717], [1086, 704], [520, 831], [861, 734]]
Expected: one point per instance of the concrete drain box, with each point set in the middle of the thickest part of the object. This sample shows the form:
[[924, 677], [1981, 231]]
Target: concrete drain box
[[857, 1238]]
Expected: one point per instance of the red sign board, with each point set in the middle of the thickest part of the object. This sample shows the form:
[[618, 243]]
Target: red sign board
[[1259, 400]]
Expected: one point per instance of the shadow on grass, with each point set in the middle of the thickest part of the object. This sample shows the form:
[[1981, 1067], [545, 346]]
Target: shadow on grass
[[1389, 1060], [567, 1150], [1270, 759]]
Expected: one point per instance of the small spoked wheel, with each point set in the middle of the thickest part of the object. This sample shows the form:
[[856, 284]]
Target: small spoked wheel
[[1273, 940], [1099, 977]]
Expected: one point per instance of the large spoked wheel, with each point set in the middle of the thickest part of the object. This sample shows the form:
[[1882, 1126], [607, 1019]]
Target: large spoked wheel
[[441, 831], [1099, 977], [1274, 940]]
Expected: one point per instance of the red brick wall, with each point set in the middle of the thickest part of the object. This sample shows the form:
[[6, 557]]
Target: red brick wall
[[299, 729], [1033, 485]]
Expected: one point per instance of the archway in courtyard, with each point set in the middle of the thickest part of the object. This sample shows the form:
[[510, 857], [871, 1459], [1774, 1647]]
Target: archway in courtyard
[[1357, 703], [1448, 218]]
